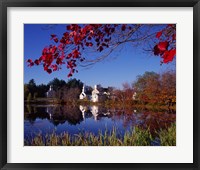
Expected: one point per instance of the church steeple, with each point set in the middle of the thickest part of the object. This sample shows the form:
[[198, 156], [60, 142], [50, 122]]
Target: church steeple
[[82, 95], [95, 93]]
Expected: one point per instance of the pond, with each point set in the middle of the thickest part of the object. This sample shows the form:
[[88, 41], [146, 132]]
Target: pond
[[48, 119]]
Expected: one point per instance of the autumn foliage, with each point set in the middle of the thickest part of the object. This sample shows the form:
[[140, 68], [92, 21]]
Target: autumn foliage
[[156, 88], [70, 48]]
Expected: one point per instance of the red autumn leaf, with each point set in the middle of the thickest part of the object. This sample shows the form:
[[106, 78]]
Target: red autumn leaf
[[162, 46], [174, 37], [37, 62], [29, 61], [61, 47], [62, 40], [59, 61], [56, 55], [49, 71], [53, 35], [45, 68], [31, 64], [76, 54], [170, 25], [66, 34], [45, 50], [54, 67], [158, 34], [55, 39], [69, 55], [52, 49], [90, 44], [106, 29], [69, 75], [69, 27], [168, 56], [123, 27], [156, 50], [100, 48], [76, 39]]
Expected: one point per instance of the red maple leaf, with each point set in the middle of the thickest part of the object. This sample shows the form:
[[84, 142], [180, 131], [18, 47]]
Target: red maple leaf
[[158, 34], [168, 56]]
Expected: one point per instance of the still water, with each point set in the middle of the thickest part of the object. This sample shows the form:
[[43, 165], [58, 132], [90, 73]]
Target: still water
[[45, 119]]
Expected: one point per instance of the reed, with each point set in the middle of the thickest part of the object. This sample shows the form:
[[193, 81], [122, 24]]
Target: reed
[[135, 137]]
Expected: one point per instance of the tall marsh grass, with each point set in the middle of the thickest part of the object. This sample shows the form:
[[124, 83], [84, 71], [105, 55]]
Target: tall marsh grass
[[135, 137], [168, 136]]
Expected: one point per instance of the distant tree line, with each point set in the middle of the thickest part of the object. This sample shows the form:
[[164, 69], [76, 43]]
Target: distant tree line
[[33, 91], [149, 88]]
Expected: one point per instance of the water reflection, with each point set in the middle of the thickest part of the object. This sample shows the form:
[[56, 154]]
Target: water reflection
[[73, 119], [82, 109]]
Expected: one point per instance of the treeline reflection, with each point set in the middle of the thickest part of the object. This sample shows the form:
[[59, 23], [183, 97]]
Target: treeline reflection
[[75, 115]]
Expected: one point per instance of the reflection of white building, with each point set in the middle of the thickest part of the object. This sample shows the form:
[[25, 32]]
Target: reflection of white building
[[49, 110], [82, 109], [95, 92], [82, 95], [51, 92], [106, 114], [94, 110]]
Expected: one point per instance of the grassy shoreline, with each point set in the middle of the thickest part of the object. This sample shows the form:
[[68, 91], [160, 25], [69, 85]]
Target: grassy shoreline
[[135, 137]]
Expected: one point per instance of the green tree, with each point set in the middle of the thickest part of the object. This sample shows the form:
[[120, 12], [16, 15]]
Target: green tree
[[74, 83], [57, 84], [32, 86], [41, 90]]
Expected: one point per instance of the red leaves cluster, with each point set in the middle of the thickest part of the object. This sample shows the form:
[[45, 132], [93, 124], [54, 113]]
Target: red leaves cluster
[[54, 37], [69, 47], [160, 48], [166, 49], [30, 62], [168, 56], [77, 38]]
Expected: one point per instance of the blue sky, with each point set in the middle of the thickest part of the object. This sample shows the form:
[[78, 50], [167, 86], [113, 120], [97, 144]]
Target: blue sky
[[128, 63]]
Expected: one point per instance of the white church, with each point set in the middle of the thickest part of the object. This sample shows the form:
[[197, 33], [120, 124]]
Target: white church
[[50, 93], [94, 97]]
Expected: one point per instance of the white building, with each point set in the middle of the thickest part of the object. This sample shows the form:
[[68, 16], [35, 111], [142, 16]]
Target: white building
[[51, 92], [94, 97], [82, 95], [134, 96], [95, 92]]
